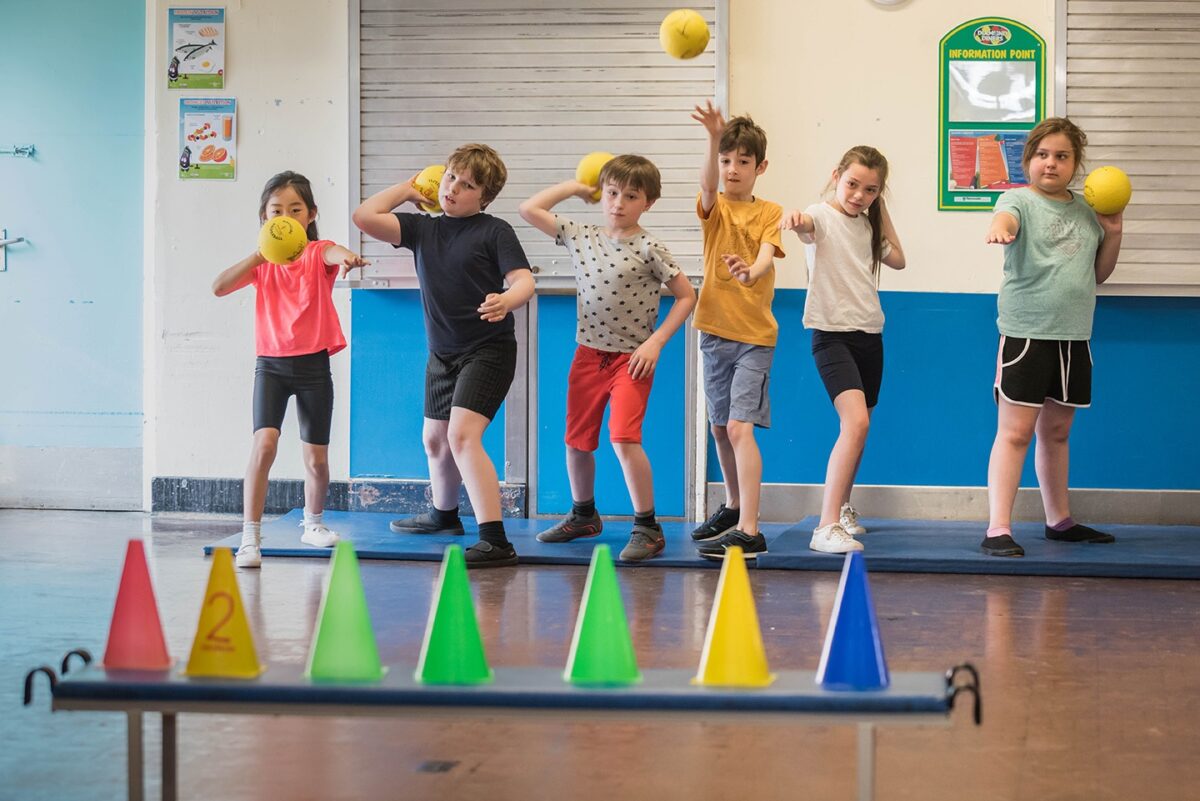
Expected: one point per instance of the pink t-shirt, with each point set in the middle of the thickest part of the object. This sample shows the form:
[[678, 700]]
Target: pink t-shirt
[[294, 313]]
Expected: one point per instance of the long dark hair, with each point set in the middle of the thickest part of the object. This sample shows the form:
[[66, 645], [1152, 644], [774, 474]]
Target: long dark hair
[[303, 188], [872, 159]]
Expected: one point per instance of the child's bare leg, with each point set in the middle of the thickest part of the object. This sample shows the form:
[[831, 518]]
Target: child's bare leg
[[316, 476], [444, 477], [638, 476], [748, 471], [727, 458], [1052, 459], [1014, 430], [581, 472], [847, 452], [465, 436], [254, 488]]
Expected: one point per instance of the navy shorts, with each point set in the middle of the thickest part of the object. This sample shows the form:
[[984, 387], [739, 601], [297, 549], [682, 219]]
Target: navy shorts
[[849, 360], [277, 378]]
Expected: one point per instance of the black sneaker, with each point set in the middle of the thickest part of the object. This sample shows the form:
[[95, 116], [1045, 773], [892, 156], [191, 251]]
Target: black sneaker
[[573, 527], [722, 522], [423, 523], [1079, 533], [751, 544], [1004, 545], [484, 554], [645, 542]]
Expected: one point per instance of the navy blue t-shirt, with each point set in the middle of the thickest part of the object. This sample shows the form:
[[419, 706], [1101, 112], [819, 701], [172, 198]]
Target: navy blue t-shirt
[[460, 260]]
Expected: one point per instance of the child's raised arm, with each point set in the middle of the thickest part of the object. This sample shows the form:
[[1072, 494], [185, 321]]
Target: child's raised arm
[[1110, 248], [797, 221], [714, 123], [894, 259], [536, 210], [375, 218], [1004, 229], [237, 276], [343, 257]]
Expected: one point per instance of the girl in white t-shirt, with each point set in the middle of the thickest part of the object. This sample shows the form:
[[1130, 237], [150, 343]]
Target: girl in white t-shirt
[[846, 238]]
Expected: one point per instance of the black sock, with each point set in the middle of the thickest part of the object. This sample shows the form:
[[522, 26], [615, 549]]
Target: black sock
[[583, 508], [644, 518], [493, 532], [444, 518]]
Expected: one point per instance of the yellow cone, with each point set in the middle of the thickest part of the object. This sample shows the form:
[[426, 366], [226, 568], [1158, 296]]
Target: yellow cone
[[733, 649], [223, 646]]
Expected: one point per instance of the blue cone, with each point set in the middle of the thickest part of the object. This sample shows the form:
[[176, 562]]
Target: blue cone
[[853, 656]]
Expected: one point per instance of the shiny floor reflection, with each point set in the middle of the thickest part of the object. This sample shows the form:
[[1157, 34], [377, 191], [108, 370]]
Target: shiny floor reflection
[[1091, 686]]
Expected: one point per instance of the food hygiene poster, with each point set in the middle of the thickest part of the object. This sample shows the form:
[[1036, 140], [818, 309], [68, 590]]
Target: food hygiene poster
[[207, 138], [196, 38], [992, 85]]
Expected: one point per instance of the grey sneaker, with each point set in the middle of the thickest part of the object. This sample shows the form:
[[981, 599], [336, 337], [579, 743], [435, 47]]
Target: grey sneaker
[[645, 542], [422, 524], [573, 527]]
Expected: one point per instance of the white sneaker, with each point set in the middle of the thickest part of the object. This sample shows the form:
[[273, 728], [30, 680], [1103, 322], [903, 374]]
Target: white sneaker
[[249, 555], [319, 536], [833, 539], [849, 520]]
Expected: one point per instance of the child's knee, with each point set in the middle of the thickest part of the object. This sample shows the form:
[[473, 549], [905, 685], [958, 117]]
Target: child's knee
[[720, 433], [739, 430], [463, 439]]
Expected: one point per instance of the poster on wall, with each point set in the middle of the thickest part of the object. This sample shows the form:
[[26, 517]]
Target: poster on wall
[[207, 138], [196, 57], [992, 93]]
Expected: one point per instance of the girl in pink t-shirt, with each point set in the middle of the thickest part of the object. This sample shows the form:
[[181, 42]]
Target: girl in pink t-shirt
[[296, 331]]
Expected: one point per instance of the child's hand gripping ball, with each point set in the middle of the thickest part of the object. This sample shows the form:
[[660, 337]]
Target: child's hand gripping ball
[[683, 34], [1107, 190], [282, 240], [427, 182]]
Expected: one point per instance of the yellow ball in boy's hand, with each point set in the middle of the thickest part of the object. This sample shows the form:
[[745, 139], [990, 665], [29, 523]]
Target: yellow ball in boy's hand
[[282, 240], [588, 170], [683, 34], [427, 182], [1107, 190]]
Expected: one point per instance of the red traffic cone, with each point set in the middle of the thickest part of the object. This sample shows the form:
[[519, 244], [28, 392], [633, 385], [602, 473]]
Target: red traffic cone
[[135, 636]]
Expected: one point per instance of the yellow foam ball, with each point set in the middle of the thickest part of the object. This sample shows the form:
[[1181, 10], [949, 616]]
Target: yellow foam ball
[[1107, 190], [282, 240], [427, 182], [683, 34], [589, 167]]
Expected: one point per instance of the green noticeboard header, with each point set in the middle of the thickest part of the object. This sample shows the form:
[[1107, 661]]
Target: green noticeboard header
[[992, 85]]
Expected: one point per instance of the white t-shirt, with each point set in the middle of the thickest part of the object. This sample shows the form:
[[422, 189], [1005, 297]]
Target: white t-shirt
[[842, 294]]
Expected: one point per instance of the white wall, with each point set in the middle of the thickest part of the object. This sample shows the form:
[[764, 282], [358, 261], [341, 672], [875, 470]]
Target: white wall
[[821, 77], [288, 66]]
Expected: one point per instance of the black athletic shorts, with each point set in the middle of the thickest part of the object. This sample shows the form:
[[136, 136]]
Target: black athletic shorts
[[277, 378], [1030, 372], [849, 360], [477, 379]]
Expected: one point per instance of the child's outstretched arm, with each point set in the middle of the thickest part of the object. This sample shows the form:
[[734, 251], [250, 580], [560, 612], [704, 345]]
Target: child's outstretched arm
[[749, 273], [1110, 248], [1004, 229], [344, 257], [645, 358], [237, 276], [894, 259], [799, 222], [536, 210], [374, 217], [497, 305], [714, 123]]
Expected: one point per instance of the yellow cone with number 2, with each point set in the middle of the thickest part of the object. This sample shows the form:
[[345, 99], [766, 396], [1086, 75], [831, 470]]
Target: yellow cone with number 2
[[224, 647], [733, 653]]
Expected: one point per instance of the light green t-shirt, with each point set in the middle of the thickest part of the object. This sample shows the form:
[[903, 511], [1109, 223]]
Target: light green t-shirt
[[1049, 288]]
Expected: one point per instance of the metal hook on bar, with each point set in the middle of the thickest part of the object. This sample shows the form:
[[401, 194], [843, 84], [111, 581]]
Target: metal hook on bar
[[20, 151], [49, 671], [82, 653]]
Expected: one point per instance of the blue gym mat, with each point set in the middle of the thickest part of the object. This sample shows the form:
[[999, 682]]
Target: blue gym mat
[[892, 546]]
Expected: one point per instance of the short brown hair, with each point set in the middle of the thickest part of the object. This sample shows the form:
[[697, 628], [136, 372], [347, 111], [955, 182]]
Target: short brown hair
[[486, 168], [745, 136], [633, 172], [1055, 125]]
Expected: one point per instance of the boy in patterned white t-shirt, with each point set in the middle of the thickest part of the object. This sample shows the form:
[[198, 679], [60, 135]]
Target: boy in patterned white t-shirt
[[619, 271]]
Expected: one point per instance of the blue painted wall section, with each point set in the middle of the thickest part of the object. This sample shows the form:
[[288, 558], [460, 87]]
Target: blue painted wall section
[[664, 434], [387, 388], [936, 419], [71, 300]]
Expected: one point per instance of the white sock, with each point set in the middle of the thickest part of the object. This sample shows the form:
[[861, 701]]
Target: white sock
[[251, 532], [311, 519]]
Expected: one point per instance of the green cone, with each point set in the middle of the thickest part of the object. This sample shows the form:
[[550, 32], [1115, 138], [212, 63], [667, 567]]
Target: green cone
[[343, 644], [453, 650], [601, 651]]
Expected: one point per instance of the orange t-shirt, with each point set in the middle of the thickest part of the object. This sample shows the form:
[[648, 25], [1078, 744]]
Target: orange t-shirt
[[294, 313]]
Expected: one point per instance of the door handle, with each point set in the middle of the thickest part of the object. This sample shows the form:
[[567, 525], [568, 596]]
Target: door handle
[[4, 241]]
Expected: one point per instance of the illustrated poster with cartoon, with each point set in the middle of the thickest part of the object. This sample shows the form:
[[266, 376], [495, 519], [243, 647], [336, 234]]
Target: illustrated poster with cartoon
[[196, 48], [207, 138]]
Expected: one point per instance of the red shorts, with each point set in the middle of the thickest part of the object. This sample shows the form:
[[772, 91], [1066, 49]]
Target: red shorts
[[596, 376]]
